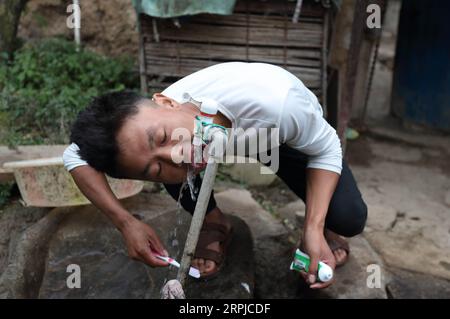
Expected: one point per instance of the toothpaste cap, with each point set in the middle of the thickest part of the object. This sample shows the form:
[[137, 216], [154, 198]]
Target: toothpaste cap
[[325, 273]]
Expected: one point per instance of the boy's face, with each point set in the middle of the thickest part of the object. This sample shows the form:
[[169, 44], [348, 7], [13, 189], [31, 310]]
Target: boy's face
[[146, 147]]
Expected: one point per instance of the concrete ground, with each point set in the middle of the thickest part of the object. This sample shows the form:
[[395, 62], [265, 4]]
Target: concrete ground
[[407, 189]]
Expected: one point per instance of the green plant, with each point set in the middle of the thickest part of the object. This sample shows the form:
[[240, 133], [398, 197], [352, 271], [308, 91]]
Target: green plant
[[5, 192], [48, 83]]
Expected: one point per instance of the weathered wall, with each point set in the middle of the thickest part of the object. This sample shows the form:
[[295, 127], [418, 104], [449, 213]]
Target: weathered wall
[[107, 27]]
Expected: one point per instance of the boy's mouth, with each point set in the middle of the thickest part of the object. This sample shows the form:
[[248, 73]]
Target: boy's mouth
[[196, 166]]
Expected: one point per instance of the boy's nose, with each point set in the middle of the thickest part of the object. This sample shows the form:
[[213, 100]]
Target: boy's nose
[[172, 153]]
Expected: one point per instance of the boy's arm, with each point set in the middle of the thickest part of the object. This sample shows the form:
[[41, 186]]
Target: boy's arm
[[95, 187], [140, 238], [320, 186], [304, 128]]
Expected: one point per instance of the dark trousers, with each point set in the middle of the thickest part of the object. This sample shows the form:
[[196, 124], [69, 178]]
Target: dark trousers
[[347, 212]]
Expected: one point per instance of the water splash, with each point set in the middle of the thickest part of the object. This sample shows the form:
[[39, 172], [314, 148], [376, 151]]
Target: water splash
[[179, 221], [178, 215], [179, 207], [173, 235], [191, 183]]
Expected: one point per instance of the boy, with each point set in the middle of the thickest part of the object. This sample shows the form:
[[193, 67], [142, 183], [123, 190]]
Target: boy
[[125, 135]]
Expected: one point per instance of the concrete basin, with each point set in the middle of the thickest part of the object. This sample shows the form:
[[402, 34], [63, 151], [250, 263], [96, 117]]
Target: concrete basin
[[46, 183]]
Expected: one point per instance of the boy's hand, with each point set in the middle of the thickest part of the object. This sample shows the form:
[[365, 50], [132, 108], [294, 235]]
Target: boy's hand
[[143, 243], [315, 245]]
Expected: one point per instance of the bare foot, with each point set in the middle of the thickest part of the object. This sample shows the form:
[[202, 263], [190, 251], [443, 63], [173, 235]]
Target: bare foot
[[205, 266], [340, 254]]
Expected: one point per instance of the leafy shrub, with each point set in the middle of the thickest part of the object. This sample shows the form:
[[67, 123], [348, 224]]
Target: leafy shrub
[[5, 192], [48, 83]]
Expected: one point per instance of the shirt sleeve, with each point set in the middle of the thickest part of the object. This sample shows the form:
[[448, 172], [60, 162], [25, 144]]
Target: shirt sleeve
[[71, 158], [303, 128]]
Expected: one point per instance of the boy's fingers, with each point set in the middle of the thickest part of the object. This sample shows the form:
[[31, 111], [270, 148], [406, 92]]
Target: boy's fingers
[[317, 286], [304, 275], [320, 285], [151, 259], [313, 270], [156, 245]]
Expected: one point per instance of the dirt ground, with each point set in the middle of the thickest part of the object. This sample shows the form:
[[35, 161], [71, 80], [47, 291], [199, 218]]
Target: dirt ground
[[107, 27]]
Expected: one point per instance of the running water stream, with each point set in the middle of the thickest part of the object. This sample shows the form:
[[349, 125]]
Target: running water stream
[[179, 220], [173, 235], [191, 183]]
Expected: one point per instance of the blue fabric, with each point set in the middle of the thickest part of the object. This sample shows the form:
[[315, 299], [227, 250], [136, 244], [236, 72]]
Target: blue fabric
[[176, 8]]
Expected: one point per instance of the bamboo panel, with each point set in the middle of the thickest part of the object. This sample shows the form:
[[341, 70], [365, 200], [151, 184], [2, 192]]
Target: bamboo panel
[[277, 7], [201, 63], [248, 20], [273, 55], [242, 36], [183, 67], [160, 85], [253, 20], [258, 31]]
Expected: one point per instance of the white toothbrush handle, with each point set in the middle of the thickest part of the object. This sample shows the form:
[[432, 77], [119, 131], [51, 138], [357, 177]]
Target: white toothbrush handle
[[194, 272]]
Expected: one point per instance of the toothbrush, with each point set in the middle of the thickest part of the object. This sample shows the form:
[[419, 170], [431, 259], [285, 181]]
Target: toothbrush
[[194, 272]]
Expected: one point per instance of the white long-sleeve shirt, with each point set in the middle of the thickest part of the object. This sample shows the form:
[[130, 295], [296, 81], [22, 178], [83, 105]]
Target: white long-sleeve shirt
[[259, 95]]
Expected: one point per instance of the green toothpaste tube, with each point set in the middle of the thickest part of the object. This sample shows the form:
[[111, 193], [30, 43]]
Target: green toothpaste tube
[[301, 263]]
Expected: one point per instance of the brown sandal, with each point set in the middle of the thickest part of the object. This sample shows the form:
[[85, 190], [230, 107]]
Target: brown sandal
[[337, 242], [210, 233]]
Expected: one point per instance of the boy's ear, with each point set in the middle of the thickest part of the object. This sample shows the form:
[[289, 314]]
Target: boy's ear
[[163, 100]]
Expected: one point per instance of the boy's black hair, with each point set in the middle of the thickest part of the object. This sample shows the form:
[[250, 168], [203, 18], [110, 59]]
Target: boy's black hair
[[95, 129]]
